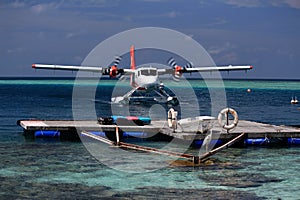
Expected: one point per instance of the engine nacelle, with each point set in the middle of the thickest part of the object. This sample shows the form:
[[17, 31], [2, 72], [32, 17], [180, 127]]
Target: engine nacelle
[[177, 72], [113, 72]]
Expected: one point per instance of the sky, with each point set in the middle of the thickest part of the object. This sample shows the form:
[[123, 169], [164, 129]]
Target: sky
[[262, 33]]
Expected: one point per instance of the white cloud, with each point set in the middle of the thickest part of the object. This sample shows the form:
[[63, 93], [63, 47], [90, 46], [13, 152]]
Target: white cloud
[[155, 1], [18, 4], [74, 34], [225, 54], [228, 58], [244, 3], [90, 3], [293, 3], [78, 59], [214, 50], [70, 35], [16, 50], [39, 8], [172, 14], [44, 7], [263, 3]]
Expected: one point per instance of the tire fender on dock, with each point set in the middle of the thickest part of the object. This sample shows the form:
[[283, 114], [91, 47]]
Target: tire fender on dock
[[226, 112]]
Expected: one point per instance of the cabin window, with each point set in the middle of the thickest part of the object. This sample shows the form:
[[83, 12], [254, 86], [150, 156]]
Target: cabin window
[[149, 72]]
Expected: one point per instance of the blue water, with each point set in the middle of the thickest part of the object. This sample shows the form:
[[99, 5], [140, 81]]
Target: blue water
[[44, 168]]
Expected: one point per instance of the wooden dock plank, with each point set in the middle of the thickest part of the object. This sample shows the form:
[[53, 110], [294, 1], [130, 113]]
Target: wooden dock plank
[[250, 128], [33, 125]]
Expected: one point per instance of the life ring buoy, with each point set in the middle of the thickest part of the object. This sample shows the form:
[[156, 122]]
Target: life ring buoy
[[225, 112], [172, 119]]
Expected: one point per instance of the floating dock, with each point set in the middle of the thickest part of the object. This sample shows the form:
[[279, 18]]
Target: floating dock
[[254, 133]]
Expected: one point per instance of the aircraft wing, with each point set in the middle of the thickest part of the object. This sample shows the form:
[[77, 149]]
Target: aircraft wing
[[129, 71], [66, 67], [217, 68], [204, 69], [104, 71]]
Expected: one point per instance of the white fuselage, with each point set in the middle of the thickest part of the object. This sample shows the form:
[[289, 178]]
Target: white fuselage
[[145, 76]]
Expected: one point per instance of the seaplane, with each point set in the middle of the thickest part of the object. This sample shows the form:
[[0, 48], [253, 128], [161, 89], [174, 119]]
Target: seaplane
[[144, 80]]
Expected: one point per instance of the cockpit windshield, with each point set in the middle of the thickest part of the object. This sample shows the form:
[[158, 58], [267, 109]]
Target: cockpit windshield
[[149, 72]]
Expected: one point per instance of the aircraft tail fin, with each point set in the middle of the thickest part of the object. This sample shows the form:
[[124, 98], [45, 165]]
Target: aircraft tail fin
[[132, 61], [132, 66]]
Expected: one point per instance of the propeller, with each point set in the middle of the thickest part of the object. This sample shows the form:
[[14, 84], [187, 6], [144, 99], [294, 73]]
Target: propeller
[[177, 69], [113, 71]]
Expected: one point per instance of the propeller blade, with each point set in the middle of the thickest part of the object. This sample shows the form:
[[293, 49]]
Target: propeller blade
[[176, 78], [172, 62], [188, 65], [122, 77], [177, 69], [117, 60]]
